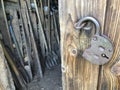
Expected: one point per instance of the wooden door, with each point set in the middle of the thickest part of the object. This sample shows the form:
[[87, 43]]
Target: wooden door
[[78, 73]]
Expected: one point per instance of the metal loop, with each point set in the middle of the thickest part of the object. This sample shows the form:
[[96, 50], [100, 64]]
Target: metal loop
[[78, 26], [88, 27], [88, 18]]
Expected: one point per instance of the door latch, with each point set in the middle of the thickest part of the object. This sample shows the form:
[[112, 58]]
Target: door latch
[[101, 48]]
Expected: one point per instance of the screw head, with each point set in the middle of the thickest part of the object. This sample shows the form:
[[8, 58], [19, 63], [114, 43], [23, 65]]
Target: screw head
[[74, 52]]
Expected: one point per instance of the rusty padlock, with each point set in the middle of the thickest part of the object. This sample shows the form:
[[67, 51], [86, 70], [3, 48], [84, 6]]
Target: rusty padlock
[[101, 48]]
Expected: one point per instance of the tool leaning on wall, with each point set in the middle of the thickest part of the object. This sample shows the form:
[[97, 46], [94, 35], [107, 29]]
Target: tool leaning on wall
[[34, 47], [46, 12]]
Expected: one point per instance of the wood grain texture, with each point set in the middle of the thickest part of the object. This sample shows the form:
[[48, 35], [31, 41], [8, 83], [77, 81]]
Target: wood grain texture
[[111, 71], [6, 80], [4, 26], [16, 26], [78, 73]]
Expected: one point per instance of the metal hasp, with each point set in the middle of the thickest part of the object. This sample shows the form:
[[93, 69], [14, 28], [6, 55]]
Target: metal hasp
[[101, 48]]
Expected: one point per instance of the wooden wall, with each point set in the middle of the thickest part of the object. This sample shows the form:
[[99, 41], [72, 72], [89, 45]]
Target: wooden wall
[[78, 73]]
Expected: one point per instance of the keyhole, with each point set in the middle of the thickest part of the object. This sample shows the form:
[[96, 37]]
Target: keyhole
[[104, 55]]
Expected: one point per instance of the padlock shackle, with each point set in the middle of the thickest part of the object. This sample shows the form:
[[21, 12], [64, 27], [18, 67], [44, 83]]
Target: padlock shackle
[[93, 20]]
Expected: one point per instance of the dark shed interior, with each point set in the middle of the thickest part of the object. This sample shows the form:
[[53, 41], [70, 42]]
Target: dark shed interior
[[30, 36]]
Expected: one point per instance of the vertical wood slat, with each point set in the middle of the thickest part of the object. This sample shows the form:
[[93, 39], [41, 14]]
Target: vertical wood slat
[[3, 23], [111, 71], [6, 80], [78, 74], [16, 27], [29, 32]]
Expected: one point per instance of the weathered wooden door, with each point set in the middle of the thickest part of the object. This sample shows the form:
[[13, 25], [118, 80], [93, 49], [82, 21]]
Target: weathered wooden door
[[78, 73]]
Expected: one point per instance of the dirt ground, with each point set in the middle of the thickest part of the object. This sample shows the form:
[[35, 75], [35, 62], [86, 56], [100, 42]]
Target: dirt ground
[[50, 81]]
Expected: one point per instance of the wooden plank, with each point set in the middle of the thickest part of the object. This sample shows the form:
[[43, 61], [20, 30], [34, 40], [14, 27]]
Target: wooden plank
[[6, 80], [43, 42], [111, 71], [26, 19], [34, 22], [16, 26], [4, 26], [78, 73]]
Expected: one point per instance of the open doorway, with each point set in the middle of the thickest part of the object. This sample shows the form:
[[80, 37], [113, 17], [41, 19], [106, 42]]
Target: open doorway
[[34, 43]]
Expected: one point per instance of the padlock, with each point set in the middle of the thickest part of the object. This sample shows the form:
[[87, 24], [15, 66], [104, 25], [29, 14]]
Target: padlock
[[101, 48]]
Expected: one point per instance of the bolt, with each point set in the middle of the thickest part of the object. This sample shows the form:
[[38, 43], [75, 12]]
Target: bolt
[[74, 52]]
